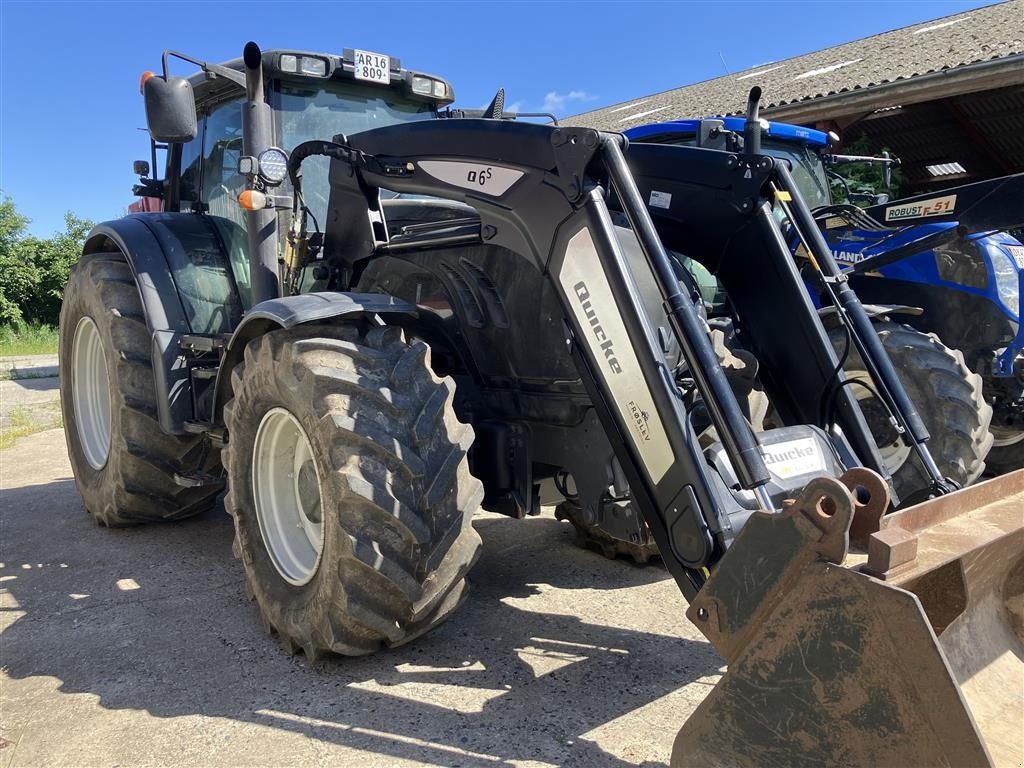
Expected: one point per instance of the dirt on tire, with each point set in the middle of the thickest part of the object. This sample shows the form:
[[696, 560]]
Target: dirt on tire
[[397, 496]]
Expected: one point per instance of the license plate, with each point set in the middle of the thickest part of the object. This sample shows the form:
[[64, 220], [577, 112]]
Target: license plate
[[374, 67]]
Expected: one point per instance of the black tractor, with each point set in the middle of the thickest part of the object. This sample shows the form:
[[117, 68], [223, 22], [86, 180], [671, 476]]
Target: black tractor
[[367, 317]]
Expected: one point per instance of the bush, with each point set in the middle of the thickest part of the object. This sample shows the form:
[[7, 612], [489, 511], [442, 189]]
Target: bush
[[17, 276], [34, 271]]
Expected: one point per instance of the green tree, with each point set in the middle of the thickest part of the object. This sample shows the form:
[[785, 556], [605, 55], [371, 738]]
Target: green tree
[[54, 258], [33, 270], [18, 276]]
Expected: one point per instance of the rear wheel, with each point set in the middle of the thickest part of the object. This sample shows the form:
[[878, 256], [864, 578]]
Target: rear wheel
[[948, 397], [349, 487], [124, 465]]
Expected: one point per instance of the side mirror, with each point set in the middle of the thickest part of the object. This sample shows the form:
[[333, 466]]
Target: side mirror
[[170, 109], [140, 168]]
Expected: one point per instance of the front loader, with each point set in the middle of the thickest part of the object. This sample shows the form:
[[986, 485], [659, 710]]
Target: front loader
[[440, 313], [941, 264]]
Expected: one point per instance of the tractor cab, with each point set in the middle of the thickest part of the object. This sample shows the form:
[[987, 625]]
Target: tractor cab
[[802, 147], [306, 96], [310, 95]]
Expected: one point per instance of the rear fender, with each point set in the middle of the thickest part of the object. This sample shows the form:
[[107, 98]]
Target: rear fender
[[290, 311], [183, 270]]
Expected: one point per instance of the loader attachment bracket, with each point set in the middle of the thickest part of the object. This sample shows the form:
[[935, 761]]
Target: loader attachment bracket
[[573, 149], [814, 527]]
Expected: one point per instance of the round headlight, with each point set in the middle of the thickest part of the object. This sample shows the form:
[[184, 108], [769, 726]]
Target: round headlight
[[273, 164]]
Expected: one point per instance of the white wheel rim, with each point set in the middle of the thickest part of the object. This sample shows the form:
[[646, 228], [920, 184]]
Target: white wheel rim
[[90, 393], [895, 454], [1004, 436], [286, 489]]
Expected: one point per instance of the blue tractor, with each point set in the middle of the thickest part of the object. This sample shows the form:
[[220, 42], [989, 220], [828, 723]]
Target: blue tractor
[[942, 262]]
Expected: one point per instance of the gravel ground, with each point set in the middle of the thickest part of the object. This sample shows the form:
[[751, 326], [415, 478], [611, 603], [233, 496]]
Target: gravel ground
[[139, 647], [35, 399]]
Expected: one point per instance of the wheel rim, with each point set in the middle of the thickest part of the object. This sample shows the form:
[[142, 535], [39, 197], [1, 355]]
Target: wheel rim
[[891, 446], [1005, 436], [286, 489], [90, 393]]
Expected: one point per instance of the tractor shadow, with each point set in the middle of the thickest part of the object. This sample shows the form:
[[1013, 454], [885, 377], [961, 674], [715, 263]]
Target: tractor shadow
[[156, 619]]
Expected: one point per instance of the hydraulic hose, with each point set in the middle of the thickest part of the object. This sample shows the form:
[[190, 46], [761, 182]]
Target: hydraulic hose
[[879, 365], [732, 426]]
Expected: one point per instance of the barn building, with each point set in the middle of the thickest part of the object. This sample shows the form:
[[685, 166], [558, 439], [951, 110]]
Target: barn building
[[946, 96]]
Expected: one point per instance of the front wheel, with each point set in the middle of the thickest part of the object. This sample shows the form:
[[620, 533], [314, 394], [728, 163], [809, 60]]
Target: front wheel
[[590, 535], [1007, 452], [349, 487], [948, 396]]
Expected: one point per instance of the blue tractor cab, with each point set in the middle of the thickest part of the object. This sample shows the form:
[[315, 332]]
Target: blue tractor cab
[[942, 258]]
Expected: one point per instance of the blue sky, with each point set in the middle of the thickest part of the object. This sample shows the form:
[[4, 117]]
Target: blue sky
[[70, 108]]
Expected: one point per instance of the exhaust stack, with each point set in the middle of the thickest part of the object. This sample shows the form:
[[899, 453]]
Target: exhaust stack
[[257, 136]]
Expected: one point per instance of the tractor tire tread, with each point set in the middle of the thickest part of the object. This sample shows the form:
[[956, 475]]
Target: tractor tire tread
[[952, 404], [137, 483], [391, 562]]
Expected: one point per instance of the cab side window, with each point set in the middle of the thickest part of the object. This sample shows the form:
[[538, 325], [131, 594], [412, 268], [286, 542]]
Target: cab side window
[[191, 165], [222, 146]]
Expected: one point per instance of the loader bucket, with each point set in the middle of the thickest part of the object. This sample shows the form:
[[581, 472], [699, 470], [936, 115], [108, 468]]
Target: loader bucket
[[910, 653]]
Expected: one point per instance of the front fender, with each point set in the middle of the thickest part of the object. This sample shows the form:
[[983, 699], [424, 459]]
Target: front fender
[[183, 267], [290, 311]]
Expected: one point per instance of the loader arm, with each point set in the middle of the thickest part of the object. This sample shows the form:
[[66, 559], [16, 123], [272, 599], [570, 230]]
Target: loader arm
[[990, 205], [993, 205], [987, 206], [716, 208], [534, 188]]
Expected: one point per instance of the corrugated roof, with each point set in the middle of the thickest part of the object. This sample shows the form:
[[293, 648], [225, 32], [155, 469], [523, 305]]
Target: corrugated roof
[[984, 34], [982, 131]]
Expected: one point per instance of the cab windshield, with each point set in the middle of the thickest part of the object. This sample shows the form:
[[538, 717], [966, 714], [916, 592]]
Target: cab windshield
[[321, 110], [807, 169]]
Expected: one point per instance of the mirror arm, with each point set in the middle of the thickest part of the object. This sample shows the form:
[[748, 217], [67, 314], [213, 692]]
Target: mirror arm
[[215, 70], [149, 188]]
